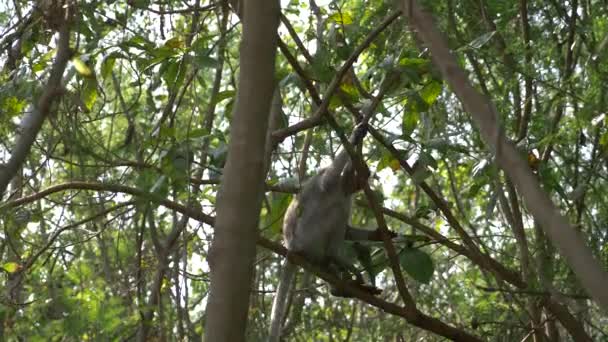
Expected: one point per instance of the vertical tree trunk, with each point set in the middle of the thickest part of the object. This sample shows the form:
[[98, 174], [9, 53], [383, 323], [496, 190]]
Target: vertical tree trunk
[[240, 196]]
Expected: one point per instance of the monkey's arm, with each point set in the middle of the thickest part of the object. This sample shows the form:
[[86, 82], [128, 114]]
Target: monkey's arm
[[332, 173]]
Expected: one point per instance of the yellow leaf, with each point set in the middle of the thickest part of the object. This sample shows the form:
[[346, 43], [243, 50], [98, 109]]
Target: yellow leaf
[[82, 68], [174, 43], [533, 161], [341, 18], [394, 164], [11, 267]]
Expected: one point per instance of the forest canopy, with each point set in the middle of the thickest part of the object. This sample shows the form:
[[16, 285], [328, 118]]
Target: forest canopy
[[487, 159]]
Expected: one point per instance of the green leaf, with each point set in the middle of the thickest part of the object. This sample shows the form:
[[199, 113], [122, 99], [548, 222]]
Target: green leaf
[[197, 133], [604, 141], [418, 62], [160, 54], [344, 51], [175, 43], [474, 189], [379, 262], [341, 18], [423, 211], [388, 160], [145, 179], [335, 102], [320, 66], [166, 131], [274, 215], [170, 75], [205, 62], [43, 61], [350, 91], [226, 94], [443, 145], [408, 75], [364, 256], [417, 264], [11, 267], [89, 92], [420, 174], [12, 106], [218, 154], [137, 42], [414, 68], [409, 123], [141, 3], [427, 159], [416, 103], [430, 92], [107, 65], [164, 52], [173, 75]]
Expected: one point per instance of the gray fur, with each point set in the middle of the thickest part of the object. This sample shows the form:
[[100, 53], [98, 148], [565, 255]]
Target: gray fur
[[316, 224]]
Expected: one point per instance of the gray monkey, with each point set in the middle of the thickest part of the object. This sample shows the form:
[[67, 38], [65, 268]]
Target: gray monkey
[[316, 225]]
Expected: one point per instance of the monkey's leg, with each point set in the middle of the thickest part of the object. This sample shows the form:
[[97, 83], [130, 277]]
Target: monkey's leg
[[347, 269], [358, 234], [344, 269]]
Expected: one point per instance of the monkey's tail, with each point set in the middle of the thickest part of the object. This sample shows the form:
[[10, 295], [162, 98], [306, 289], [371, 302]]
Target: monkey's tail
[[279, 306]]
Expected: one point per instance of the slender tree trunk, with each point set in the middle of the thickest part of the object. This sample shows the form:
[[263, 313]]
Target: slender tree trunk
[[569, 243], [240, 197], [32, 123]]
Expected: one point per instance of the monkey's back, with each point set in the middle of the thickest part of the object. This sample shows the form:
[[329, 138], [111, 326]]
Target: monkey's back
[[316, 219]]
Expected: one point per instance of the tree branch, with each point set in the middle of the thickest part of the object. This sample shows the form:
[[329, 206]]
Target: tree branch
[[32, 122]]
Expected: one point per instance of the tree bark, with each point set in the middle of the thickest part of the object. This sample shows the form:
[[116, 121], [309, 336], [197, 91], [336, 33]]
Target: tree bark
[[240, 197], [32, 123]]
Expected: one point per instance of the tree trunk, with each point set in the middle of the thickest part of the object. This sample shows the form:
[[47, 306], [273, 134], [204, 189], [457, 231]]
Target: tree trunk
[[569, 243], [240, 196]]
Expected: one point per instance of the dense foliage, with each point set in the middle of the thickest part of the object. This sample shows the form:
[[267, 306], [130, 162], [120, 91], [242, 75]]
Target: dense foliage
[[103, 227]]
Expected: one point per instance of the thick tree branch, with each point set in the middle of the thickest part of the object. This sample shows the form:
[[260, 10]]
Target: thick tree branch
[[32, 122], [414, 317], [81, 185]]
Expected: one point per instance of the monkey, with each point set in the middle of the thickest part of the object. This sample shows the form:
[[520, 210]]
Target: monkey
[[316, 224]]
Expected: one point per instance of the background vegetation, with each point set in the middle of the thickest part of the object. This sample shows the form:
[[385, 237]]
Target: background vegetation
[[106, 226]]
